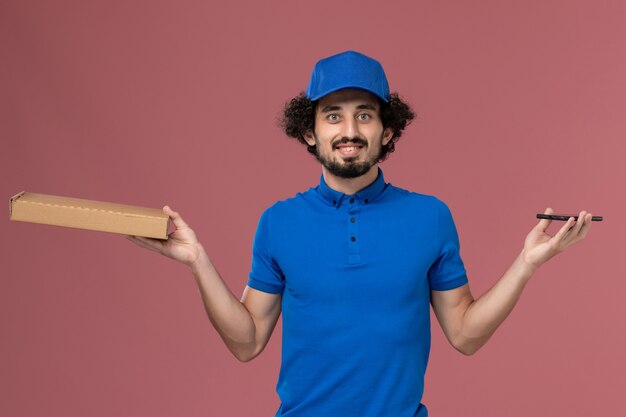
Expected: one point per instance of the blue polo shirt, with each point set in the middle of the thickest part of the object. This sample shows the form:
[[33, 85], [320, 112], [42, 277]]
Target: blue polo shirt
[[355, 274]]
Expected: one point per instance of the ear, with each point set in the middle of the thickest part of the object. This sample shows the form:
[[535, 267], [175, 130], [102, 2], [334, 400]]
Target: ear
[[309, 138], [387, 135]]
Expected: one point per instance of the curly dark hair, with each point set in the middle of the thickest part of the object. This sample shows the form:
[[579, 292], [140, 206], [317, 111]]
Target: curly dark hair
[[299, 117]]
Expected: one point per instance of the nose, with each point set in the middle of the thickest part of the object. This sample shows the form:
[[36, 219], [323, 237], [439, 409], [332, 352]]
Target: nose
[[350, 128]]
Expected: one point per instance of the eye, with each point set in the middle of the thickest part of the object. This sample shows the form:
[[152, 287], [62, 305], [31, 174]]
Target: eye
[[363, 116], [333, 117]]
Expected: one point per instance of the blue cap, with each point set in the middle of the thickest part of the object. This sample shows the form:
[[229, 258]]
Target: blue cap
[[348, 69]]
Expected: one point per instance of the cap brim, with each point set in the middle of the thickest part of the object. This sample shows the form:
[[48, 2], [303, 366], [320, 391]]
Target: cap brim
[[358, 87]]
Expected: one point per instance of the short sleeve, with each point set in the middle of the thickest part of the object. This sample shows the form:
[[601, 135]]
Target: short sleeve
[[448, 271], [265, 274]]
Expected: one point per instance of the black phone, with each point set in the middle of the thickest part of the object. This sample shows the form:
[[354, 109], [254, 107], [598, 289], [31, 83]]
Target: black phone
[[564, 217]]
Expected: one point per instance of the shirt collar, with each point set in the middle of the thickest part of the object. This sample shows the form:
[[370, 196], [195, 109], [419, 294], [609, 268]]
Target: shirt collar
[[365, 196]]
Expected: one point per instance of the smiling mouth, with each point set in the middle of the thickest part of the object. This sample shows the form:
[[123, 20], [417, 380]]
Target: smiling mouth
[[349, 150]]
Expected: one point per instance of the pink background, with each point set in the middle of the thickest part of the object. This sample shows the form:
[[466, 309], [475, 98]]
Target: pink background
[[521, 106]]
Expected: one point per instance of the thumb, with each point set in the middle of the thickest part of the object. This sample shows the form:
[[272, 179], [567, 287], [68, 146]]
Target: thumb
[[178, 221], [544, 223]]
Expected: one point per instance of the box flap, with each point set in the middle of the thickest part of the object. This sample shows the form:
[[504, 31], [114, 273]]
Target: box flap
[[12, 199]]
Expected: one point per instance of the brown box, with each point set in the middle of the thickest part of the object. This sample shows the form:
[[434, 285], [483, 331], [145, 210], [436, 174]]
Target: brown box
[[89, 214]]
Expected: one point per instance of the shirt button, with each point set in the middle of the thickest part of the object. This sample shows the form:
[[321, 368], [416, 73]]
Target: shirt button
[[353, 220], [352, 200], [352, 238], [334, 202], [366, 201]]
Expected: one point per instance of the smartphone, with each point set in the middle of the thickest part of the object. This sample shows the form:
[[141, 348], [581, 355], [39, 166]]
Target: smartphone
[[564, 217]]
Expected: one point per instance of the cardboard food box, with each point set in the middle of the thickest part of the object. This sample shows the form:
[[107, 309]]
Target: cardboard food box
[[89, 214]]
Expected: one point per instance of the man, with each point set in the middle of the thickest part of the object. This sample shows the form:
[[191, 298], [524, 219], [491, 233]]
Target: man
[[355, 263]]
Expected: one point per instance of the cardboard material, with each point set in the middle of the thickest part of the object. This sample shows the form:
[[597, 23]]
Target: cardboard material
[[88, 214]]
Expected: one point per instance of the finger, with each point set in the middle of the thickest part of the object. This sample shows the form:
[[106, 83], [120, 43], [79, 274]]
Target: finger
[[152, 244], [586, 226], [136, 241], [559, 237], [543, 224], [176, 218], [575, 229]]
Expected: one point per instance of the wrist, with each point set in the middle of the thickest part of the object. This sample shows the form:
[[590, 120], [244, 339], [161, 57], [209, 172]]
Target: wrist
[[528, 268], [201, 258]]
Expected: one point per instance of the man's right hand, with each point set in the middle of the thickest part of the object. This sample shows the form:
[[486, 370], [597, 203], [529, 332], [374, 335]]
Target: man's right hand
[[181, 245]]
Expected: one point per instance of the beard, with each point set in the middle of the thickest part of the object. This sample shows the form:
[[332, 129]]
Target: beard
[[350, 167]]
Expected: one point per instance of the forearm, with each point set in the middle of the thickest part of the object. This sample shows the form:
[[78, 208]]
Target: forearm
[[485, 314], [228, 315]]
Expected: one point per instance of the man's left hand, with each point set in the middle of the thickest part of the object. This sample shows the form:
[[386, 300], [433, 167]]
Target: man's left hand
[[540, 247]]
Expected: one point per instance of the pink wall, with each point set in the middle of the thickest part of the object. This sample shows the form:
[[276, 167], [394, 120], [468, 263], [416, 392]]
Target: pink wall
[[521, 106]]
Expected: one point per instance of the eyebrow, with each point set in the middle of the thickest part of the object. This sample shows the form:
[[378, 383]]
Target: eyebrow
[[359, 107]]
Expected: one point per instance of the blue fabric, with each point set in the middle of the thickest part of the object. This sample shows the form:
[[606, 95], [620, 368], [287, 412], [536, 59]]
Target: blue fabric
[[348, 69], [356, 296]]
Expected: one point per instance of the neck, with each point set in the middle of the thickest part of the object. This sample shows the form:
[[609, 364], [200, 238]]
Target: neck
[[350, 186]]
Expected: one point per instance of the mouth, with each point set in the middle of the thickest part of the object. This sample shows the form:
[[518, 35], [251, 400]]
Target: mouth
[[349, 150]]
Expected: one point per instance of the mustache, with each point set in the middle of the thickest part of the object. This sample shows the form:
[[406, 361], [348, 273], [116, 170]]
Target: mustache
[[356, 141]]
